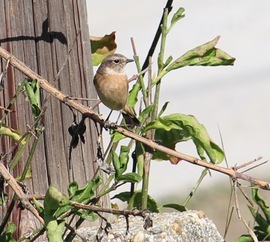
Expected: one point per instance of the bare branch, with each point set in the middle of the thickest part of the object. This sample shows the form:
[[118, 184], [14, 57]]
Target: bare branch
[[19, 192], [125, 212]]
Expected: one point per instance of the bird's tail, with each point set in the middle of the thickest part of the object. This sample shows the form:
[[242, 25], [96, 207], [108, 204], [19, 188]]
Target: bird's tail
[[130, 117]]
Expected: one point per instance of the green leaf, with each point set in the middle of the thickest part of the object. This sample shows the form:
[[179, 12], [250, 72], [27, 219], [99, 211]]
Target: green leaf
[[175, 206], [133, 95], [53, 200], [160, 58], [178, 127], [87, 215], [260, 220], [124, 157], [163, 108], [120, 163], [123, 196], [130, 177], [72, 188], [102, 47], [55, 230], [63, 208], [139, 153], [145, 113], [135, 200], [6, 236], [261, 203], [12, 133], [11, 228], [244, 238], [38, 206], [204, 55], [178, 15], [33, 93], [117, 137], [85, 194], [116, 164], [168, 61], [3, 199]]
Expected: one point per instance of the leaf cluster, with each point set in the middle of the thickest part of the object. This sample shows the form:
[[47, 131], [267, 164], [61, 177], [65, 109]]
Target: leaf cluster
[[168, 130]]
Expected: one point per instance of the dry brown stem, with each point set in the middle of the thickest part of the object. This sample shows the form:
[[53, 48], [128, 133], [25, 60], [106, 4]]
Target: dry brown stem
[[134, 212], [11, 181]]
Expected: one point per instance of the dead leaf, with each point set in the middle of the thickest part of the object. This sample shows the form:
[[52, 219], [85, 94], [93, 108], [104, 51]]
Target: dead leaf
[[102, 47]]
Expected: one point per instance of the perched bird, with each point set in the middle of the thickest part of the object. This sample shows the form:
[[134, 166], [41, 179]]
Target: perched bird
[[111, 84]]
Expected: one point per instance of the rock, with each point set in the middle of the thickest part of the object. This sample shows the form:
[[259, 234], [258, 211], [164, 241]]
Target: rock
[[185, 227]]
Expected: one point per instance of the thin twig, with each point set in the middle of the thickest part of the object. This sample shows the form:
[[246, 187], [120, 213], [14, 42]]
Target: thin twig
[[250, 231], [228, 221], [134, 77], [235, 185], [83, 98], [6, 109], [245, 195], [253, 167], [247, 163], [125, 212]]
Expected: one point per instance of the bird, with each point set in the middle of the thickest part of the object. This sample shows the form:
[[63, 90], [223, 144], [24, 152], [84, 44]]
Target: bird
[[111, 83]]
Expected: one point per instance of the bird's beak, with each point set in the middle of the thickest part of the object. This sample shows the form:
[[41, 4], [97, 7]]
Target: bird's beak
[[129, 60]]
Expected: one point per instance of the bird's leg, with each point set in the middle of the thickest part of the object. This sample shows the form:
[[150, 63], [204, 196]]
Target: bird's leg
[[106, 122]]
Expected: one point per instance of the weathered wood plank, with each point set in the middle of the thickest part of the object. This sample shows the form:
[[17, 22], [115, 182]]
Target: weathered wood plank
[[41, 34]]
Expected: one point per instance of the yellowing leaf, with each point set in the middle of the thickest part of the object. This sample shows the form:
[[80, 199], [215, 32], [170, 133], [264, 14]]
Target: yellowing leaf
[[102, 47]]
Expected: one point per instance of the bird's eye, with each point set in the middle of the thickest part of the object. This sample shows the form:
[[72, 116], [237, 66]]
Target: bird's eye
[[117, 61]]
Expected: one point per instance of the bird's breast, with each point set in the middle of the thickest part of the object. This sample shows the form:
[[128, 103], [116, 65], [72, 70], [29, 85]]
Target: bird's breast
[[112, 90]]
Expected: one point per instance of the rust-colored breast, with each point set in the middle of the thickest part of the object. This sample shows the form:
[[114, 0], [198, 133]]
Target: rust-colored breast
[[112, 90]]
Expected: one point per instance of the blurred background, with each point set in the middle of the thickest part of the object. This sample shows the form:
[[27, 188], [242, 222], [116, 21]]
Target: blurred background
[[234, 99]]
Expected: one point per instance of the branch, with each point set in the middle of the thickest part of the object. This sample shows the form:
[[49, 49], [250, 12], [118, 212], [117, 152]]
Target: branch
[[19, 192], [87, 112], [125, 212]]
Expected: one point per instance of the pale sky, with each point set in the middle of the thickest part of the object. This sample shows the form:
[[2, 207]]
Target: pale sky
[[235, 98]]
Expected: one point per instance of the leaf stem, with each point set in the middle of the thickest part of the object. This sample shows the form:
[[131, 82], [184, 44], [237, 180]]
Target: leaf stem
[[138, 65], [204, 172]]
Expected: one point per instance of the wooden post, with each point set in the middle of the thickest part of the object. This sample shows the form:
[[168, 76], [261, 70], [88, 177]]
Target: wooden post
[[52, 38]]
